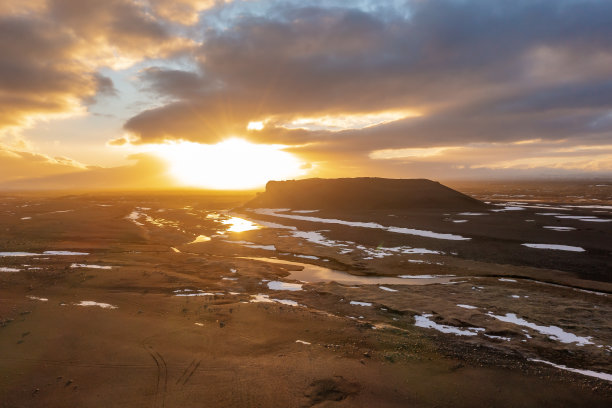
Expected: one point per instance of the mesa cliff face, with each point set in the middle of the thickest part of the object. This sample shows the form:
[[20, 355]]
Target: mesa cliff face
[[363, 193]]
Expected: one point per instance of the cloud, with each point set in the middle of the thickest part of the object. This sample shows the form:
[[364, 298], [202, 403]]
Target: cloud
[[52, 51], [18, 165], [146, 173], [476, 72]]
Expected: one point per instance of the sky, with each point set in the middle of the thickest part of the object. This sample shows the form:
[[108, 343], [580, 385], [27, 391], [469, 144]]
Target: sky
[[228, 94]]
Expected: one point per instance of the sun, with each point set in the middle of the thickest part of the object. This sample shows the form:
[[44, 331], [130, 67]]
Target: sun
[[233, 164]]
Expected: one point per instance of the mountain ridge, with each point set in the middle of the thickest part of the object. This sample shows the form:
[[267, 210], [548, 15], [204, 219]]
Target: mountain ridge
[[362, 193]]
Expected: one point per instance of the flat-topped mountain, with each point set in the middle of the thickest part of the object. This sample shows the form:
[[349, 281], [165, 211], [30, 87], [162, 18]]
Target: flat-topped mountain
[[364, 193]]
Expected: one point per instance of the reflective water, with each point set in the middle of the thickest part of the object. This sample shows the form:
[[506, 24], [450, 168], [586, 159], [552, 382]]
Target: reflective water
[[315, 273], [240, 224], [200, 238]]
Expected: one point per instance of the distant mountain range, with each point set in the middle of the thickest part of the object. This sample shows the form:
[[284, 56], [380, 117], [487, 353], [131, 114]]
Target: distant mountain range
[[364, 193]]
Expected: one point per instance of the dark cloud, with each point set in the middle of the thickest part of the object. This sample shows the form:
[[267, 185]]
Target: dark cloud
[[50, 53], [479, 71]]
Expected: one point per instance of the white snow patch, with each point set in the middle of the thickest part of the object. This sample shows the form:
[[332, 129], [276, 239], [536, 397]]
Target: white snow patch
[[596, 374], [553, 332], [467, 307], [277, 285], [18, 254], [506, 280], [64, 253], [253, 245], [306, 256], [38, 298], [5, 269], [400, 230], [511, 208], [302, 342], [75, 265], [555, 247], [360, 303], [387, 289], [260, 298], [497, 337], [92, 303], [425, 322], [134, 216], [587, 218], [554, 228]]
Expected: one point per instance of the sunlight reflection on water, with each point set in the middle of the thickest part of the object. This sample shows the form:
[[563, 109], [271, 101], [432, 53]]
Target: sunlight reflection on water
[[239, 224]]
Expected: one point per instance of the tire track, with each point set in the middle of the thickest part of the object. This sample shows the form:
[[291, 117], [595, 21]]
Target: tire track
[[161, 382], [191, 373]]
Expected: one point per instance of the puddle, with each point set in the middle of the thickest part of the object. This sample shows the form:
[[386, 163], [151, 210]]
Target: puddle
[[200, 238], [555, 247], [315, 273], [239, 224]]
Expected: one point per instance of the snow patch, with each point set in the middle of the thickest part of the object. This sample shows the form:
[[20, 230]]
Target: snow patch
[[425, 322], [553, 332], [277, 285], [555, 247]]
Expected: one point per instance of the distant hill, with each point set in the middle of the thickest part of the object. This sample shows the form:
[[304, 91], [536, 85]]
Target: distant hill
[[362, 194]]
